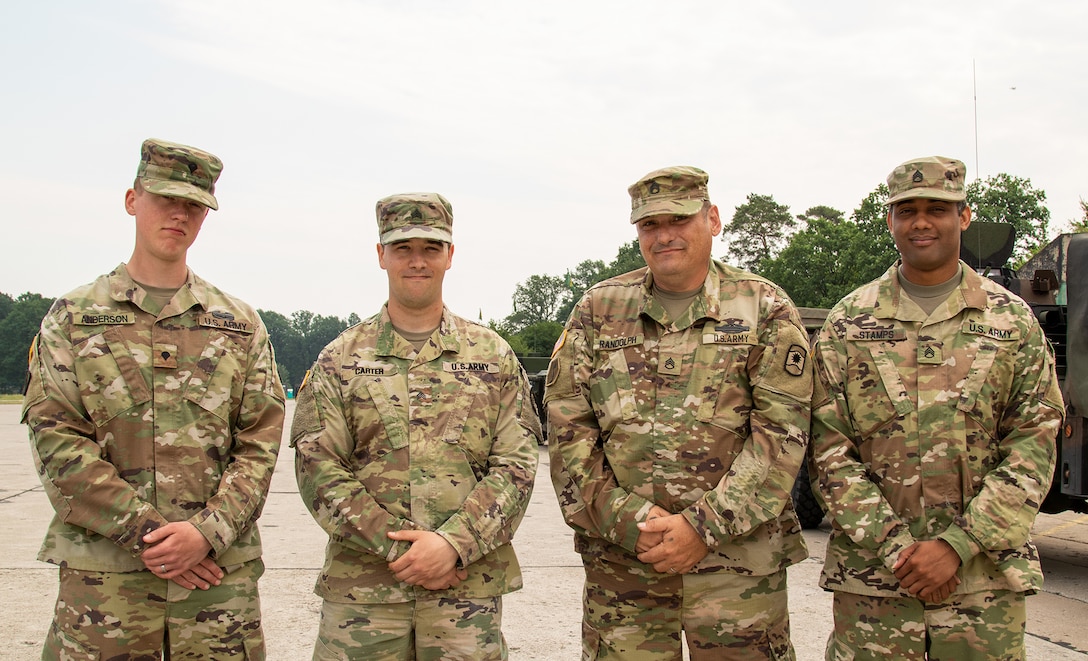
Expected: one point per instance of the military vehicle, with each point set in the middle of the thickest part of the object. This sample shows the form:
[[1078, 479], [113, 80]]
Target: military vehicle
[[536, 368], [1054, 282], [809, 510]]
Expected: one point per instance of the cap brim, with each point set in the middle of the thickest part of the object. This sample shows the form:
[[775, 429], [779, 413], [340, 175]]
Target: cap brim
[[415, 232], [685, 207], [179, 189], [928, 194]]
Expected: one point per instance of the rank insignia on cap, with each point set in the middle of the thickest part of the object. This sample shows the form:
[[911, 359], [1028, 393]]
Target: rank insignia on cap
[[655, 188], [917, 178]]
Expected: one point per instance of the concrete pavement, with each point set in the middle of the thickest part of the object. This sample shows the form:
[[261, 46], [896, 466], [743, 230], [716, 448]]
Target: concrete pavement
[[541, 621]]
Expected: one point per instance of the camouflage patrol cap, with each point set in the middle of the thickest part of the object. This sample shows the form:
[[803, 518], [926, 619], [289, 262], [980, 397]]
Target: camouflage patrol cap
[[933, 177], [414, 215], [174, 170], [677, 191]]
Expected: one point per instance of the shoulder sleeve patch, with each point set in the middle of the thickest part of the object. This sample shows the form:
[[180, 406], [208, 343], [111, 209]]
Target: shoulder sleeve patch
[[307, 412], [789, 371]]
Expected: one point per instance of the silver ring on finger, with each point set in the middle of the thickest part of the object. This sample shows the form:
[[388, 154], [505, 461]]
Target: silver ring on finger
[[163, 568], [672, 570]]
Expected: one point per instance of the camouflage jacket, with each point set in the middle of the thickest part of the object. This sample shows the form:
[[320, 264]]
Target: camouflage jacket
[[389, 439], [137, 420], [938, 428], [706, 415]]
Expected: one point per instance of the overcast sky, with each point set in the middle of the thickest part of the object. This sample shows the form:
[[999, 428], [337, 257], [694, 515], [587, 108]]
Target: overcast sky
[[531, 118]]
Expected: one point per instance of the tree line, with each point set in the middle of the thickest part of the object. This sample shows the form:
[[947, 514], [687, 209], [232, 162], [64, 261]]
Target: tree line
[[817, 256], [296, 339]]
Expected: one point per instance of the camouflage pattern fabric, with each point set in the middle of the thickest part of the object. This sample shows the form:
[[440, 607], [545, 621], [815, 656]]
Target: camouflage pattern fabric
[[223, 622], [137, 420], [414, 216], [706, 415], [981, 625], [633, 614], [445, 629], [173, 170], [390, 439], [933, 177], [933, 428], [679, 191]]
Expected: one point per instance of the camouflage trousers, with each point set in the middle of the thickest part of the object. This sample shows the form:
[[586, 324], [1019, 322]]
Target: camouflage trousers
[[636, 614], [425, 629], [133, 616], [982, 625]]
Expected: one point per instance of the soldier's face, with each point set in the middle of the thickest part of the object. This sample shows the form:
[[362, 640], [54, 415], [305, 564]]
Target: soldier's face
[[165, 226], [927, 234], [677, 248], [416, 268]]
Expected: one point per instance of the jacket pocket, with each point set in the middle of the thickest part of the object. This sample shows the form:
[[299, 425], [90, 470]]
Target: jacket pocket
[[110, 381], [214, 382]]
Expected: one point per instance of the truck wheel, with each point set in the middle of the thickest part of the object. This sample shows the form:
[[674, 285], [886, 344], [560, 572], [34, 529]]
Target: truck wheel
[[808, 508]]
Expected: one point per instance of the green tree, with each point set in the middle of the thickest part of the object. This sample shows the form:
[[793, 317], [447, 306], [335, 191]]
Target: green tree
[[298, 340], [876, 248], [1009, 199], [322, 331], [819, 265], [590, 272], [513, 339], [758, 230], [1081, 224], [535, 300], [832, 256], [628, 258], [539, 338], [18, 327], [287, 343], [6, 303]]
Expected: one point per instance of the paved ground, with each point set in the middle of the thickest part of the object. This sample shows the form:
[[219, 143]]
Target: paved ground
[[541, 621]]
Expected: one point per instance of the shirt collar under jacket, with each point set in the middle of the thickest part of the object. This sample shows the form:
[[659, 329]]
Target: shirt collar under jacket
[[970, 295], [390, 343], [193, 292]]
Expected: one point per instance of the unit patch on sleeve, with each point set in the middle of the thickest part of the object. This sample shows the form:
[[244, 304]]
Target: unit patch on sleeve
[[795, 360]]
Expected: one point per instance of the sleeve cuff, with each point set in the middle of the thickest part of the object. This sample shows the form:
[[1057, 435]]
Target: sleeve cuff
[[961, 542], [893, 546], [215, 529], [699, 516]]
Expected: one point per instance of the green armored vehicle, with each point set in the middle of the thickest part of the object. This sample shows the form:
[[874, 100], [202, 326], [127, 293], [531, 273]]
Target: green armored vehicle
[[1054, 282]]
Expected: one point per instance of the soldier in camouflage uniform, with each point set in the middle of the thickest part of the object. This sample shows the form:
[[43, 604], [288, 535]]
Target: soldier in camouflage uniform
[[678, 408], [415, 448], [934, 425], [155, 415]]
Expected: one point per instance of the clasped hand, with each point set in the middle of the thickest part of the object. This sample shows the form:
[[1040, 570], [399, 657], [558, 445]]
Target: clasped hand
[[928, 569], [430, 563], [669, 543], [178, 552]]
